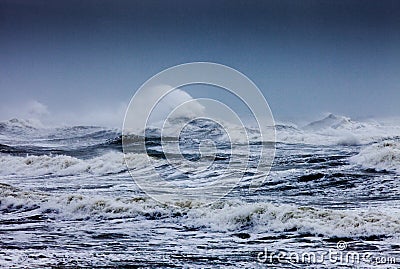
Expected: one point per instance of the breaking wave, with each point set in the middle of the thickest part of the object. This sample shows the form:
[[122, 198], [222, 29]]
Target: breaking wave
[[337, 130], [380, 156], [223, 216], [61, 165]]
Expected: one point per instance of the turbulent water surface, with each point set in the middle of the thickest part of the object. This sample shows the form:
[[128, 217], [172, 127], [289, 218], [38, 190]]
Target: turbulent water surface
[[68, 199]]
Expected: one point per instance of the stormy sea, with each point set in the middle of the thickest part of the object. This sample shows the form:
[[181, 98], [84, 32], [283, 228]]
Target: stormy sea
[[330, 199]]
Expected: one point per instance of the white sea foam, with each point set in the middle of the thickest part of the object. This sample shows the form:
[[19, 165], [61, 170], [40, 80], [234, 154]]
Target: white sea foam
[[23, 123], [61, 165], [384, 155], [338, 130], [266, 217], [224, 216]]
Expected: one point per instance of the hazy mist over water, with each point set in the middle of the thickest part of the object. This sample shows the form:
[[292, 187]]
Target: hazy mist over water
[[80, 62]]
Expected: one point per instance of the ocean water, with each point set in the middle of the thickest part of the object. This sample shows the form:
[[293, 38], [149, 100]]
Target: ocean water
[[68, 200]]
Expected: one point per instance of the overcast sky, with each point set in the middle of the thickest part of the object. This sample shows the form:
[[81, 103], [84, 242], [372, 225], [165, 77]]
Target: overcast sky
[[81, 61]]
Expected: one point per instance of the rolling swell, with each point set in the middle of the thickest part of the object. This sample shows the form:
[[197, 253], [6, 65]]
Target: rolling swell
[[82, 151], [24, 137], [9, 149]]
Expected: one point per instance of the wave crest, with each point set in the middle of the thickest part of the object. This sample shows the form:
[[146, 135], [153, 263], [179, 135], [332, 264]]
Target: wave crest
[[225, 215], [62, 165], [380, 156]]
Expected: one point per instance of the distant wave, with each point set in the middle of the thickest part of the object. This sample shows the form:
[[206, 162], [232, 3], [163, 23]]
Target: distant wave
[[30, 148], [21, 137], [200, 129], [20, 123], [337, 130], [26, 137], [61, 165], [334, 122]]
